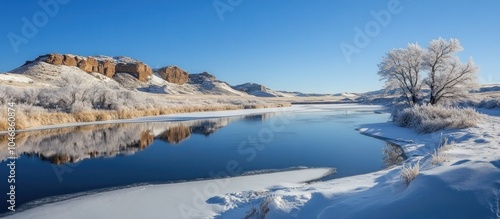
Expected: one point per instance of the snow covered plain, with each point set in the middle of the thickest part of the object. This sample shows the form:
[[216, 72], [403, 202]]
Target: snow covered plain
[[465, 185]]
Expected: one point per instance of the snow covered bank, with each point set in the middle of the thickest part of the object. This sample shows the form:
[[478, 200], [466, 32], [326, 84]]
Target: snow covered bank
[[216, 114], [199, 199], [466, 185]]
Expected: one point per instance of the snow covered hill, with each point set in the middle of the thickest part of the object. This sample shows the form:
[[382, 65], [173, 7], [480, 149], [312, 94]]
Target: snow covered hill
[[41, 73], [259, 90], [132, 74]]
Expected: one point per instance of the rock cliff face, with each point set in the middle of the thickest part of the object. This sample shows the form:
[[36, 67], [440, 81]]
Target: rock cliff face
[[106, 68], [103, 66], [88, 65], [174, 74], [54, 59], [140, 70], [69, 60]]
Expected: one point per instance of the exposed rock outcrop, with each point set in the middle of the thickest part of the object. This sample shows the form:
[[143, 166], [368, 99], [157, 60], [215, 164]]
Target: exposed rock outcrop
[[55, 59], [69, 60], [88, 65], [140, 70], [174, 74], [106, 68]]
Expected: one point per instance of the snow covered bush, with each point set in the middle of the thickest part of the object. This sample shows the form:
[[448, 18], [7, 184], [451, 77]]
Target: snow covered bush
[[432, 118], [408, 173], [14, 94], [439, 155]]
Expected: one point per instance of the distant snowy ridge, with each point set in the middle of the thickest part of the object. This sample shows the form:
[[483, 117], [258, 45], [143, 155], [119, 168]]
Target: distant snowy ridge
[[260, 90]]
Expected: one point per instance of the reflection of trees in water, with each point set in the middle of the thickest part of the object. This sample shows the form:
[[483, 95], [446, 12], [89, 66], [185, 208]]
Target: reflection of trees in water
[[69, 145], [393, 154], [73, 144]]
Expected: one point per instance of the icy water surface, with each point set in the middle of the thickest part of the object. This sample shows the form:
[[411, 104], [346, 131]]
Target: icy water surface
[[91, 158]]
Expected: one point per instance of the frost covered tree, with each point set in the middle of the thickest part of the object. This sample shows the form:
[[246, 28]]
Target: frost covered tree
[[402, 68], [448, 76], [74, 92]]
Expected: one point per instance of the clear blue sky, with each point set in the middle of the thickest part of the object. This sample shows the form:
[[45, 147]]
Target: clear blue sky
[[284, 44]]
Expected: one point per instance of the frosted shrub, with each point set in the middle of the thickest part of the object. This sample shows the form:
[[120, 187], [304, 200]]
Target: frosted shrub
[[429, 118], [80, 107], [439, 155], [9, 94], [408, 173]]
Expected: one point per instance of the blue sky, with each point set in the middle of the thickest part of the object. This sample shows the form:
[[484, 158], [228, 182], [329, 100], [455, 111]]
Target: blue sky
[[284, 44]]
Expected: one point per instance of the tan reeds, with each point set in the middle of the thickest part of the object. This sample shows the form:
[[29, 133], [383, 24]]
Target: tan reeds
[[32, 119]]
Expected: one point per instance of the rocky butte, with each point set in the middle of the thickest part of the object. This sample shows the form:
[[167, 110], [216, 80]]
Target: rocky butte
[[173, 74], [106, 67]]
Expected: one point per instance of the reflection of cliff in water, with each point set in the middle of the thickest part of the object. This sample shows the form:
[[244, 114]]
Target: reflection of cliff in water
[[69, 145], [177, 134], [145, 139], [258, 117]]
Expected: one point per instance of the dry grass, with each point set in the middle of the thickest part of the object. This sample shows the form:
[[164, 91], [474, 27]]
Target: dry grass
[[32, 119], [409, 173], [439, 155]]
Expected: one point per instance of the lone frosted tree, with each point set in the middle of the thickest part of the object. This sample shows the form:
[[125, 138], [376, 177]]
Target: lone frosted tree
[[448, 76], [402, 68]]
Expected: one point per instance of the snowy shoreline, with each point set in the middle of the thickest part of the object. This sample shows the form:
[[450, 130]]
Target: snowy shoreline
[[176, 117], [196, 199], [201, 115], [466, 185]]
